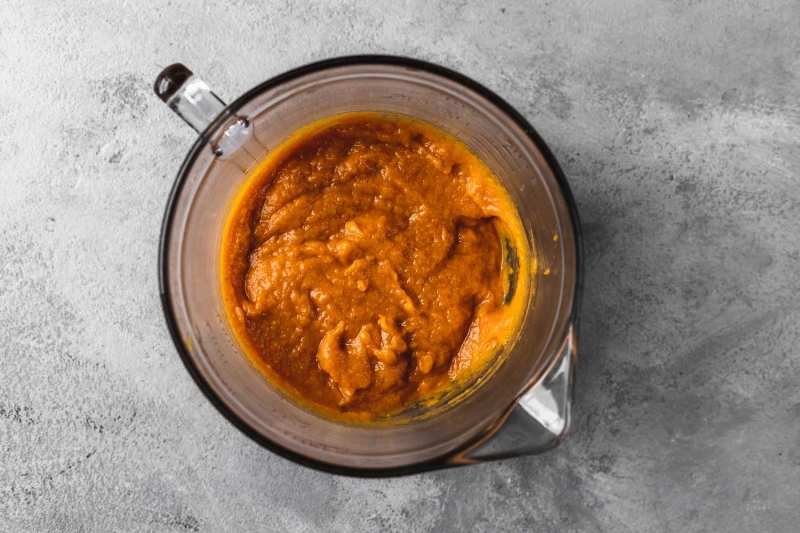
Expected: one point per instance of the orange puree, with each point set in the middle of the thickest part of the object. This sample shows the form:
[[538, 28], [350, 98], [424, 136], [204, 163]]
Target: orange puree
[[364, 264]]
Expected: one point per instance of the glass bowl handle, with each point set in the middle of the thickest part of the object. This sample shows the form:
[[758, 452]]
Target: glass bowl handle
[[194, 101], [188, 96], [540, 419]]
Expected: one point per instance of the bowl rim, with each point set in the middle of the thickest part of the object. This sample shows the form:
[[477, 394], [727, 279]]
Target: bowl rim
[[203, 139]]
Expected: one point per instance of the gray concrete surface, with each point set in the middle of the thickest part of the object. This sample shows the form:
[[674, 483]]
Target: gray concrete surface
[[678, 124]]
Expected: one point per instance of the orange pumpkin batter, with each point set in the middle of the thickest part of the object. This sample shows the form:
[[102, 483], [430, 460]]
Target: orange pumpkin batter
[[362, 264]]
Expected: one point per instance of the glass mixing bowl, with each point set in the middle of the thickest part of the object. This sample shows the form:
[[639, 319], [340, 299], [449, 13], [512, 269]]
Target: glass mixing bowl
[[520, 406]]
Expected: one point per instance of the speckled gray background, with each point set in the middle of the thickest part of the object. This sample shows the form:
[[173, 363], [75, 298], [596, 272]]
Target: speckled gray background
[[678, 125]]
